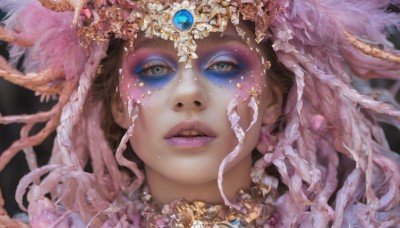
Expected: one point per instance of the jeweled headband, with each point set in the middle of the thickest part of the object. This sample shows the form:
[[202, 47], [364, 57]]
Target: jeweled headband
[[181, 22]]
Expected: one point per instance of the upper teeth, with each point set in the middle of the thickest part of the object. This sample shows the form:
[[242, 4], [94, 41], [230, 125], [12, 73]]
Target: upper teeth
[[190, 133]]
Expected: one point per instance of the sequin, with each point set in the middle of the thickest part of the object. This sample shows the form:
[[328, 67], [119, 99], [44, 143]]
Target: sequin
[[183, 20]]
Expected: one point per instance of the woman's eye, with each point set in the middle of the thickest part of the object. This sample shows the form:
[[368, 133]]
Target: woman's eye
[[154, 71], [224, 69], [222, 66]]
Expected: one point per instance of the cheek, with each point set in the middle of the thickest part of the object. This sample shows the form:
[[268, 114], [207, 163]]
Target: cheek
[[251, 84], [143, 129], [132, 88]]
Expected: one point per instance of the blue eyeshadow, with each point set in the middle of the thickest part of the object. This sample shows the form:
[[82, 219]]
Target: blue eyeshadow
[[239, 65], [158, 80]]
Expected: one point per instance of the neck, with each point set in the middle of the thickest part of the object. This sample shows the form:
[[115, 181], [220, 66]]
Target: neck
[[164, 190]]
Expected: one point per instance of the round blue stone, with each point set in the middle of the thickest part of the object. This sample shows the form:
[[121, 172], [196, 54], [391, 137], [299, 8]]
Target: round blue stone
[[183, 20], [235, 222]]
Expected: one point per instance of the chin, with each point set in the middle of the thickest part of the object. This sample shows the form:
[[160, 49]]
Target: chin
[[193, 177]]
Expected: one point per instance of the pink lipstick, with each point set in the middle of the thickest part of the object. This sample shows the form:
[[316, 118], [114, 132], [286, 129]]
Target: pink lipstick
[[190, 134]]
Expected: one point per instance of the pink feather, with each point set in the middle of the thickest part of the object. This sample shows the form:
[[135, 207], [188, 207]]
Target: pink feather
[[56, 42]]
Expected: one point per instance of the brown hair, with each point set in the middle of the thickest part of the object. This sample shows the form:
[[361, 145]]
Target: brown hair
[[281, 77], [105, 89]]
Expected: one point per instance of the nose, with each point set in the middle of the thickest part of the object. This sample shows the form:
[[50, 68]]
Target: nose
[[189, 92]]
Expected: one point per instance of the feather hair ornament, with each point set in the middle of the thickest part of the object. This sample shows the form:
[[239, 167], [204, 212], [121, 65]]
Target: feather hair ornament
[[331, 154]]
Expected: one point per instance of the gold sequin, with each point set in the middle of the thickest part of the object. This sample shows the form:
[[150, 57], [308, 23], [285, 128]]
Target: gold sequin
[[181, 213]]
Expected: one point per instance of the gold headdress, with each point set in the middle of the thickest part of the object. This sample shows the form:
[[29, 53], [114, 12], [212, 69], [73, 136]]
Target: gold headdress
[[179, 21]]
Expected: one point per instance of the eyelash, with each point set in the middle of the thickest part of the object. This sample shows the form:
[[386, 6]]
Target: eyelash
[[234, 68], [145, 70]]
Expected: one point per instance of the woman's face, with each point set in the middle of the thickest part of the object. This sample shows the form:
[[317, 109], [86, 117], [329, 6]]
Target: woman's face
[[182, 131]]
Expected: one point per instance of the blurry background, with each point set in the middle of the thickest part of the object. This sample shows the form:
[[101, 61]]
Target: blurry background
[[16, 100]]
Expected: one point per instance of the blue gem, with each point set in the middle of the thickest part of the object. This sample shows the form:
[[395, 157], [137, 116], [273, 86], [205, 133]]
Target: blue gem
[[235, 222], [183, 20]]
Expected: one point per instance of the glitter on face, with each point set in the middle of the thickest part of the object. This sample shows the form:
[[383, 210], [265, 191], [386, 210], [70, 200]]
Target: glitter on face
[[229, 65], [226, 65]]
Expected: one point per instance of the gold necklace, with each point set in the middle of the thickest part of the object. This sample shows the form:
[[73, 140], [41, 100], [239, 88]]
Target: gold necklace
[[257, 208]]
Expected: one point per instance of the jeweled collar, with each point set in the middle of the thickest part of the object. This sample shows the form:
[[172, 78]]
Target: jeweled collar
[[257, 208]]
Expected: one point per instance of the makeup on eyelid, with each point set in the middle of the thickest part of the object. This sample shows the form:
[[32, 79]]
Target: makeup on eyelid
[[154, 68], [245, 60], [135, 85], [250, 76]]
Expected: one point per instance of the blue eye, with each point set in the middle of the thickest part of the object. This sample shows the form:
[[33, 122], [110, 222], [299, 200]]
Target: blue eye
[[153, 70], [224, 69]]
